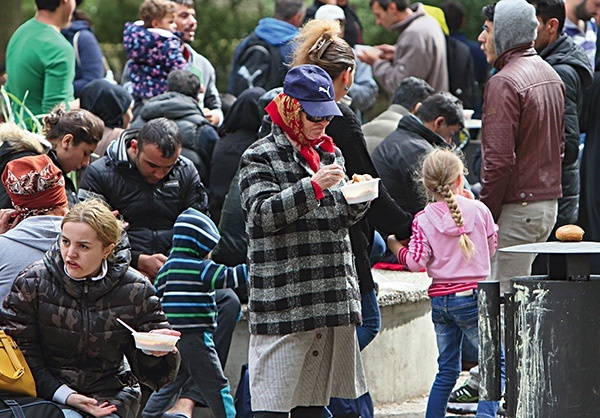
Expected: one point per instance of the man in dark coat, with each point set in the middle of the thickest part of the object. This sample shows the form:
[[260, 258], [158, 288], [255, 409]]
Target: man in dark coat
[[572, 65], [397, 158]]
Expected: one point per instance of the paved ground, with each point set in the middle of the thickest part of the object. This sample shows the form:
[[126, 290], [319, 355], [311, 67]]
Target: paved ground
[[414, 408]]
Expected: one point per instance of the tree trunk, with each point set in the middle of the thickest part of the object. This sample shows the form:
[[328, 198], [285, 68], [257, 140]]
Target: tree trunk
[[10, 19]]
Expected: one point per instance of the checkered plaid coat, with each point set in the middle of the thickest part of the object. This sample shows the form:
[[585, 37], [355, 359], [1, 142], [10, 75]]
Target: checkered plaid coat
[[301, 273]]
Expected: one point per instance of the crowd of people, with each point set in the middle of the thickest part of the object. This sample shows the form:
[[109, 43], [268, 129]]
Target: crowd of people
[[163, 203]]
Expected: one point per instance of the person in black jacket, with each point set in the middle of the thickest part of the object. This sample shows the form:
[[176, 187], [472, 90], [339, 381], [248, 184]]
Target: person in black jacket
[[241, 129], [63, 312], [398, 156], [74, 135], [144, 177], [570, 62], [572, 65]]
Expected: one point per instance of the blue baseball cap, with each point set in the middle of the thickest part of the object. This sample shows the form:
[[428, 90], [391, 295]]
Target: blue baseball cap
[[313, 88]]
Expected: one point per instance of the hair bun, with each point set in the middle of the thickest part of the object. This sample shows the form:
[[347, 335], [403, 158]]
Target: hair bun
[[52, 118]]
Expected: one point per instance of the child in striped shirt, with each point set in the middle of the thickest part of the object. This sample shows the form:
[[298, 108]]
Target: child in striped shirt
[[186, 285]]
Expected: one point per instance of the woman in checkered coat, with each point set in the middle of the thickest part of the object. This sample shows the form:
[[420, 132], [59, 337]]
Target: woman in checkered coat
[[304, 301]]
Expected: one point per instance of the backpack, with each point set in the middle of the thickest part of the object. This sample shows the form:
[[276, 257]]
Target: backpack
[[18, 406], [461, 73], [257, 64]]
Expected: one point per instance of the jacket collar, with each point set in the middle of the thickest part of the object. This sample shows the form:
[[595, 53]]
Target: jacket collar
[[511, 54], [418, 11], [411, 123], [116, 268]]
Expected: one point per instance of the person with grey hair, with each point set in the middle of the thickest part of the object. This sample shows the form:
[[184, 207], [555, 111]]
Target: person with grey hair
[[420, 49], [260, 59], [398, 156], [408, 95], [521, 151]]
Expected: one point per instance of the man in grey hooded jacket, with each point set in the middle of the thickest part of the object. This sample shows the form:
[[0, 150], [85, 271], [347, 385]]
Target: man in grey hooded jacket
[[522, 136]]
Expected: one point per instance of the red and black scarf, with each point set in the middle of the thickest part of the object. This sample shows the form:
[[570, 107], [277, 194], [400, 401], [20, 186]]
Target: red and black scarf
[[285, 113]]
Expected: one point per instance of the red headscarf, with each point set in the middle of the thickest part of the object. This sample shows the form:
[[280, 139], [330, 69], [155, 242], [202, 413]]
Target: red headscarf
[[34, 184], [285, 113]]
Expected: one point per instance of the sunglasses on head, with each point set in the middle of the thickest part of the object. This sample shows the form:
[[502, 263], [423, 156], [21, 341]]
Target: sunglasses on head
[[317, 119]]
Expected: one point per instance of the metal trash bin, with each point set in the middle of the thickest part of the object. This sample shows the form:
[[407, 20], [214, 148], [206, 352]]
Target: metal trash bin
[[552, 336]]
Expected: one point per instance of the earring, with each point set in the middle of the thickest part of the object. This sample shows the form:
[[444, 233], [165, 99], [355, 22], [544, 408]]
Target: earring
[[346, 88]]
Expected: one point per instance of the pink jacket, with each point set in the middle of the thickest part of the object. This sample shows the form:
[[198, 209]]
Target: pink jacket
[[434, 243]]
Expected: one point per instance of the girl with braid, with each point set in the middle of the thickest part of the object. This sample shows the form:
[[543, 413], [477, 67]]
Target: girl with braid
[[453, 238]]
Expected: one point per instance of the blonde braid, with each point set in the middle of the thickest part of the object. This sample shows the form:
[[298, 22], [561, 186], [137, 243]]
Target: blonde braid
[[440, 169], [466, 245]]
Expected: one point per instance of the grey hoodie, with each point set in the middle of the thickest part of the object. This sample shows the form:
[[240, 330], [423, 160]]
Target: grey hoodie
[[24, 244], [514, 24]]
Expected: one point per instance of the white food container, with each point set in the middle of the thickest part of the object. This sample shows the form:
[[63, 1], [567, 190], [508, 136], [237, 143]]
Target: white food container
[[152, 341], [468, 113], [362, 191], [360, 48]]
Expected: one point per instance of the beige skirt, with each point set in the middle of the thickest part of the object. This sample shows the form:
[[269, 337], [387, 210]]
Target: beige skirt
[[304, 369]]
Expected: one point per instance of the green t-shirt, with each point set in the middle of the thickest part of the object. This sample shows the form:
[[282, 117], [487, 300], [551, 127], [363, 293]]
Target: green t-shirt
[[40, 60]]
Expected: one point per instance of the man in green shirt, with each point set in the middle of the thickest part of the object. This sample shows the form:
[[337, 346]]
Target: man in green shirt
[[40, 61]]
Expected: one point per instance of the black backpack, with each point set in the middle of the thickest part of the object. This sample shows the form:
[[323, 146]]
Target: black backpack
[[19, 406], [259, 64], [461, 73]]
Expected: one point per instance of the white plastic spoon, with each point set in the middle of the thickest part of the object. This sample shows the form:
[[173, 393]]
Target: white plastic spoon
[[120, 321]]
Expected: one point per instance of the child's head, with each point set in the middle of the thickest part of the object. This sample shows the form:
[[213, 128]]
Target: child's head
[[443, 172], [158, 14], [195, 234]]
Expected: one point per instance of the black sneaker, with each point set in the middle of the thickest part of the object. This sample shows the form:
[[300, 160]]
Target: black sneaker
[[464, 394], [463, 401]]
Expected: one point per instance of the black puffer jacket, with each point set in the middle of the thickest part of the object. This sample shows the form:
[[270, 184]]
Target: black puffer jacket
[[571, 63], [68, 331], [150, 209], [198, 135]]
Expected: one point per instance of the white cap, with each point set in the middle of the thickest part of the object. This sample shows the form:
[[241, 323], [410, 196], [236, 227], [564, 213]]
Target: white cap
[[330, 12]]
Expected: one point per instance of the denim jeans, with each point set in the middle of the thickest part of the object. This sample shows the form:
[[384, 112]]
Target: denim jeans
[[378, 247], [371, 319], [454, 318]]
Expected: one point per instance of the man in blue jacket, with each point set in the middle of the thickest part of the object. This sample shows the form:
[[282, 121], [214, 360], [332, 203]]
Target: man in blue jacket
[[260, 59]]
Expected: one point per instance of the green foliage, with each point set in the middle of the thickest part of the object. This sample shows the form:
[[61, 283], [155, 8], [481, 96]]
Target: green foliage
[[14, 110], [223, 23]]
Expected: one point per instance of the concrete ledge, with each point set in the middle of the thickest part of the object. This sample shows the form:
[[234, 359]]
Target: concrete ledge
[[401, 362]]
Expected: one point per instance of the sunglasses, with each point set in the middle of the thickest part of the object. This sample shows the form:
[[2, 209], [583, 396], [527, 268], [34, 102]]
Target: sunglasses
[[317, 119]]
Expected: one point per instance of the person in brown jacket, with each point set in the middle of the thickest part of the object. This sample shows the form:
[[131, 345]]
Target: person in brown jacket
[[522, 138]]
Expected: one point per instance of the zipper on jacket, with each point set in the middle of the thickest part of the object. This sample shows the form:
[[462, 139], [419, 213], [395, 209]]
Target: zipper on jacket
[[85, 330]]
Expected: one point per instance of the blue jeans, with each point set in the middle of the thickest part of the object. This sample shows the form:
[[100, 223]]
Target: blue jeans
[[378, 247], [454, 318], [371, 319]]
